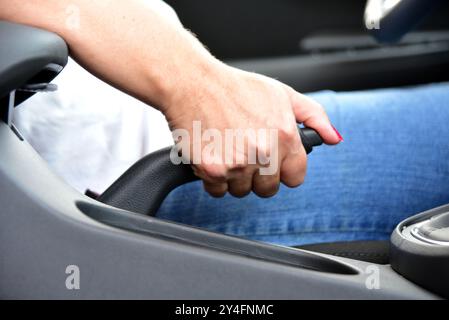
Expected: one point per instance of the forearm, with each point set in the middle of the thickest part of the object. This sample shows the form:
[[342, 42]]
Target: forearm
[[126, 43]]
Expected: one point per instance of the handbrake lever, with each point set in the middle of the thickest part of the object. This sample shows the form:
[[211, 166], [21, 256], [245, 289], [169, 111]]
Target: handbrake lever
[[143, 187]]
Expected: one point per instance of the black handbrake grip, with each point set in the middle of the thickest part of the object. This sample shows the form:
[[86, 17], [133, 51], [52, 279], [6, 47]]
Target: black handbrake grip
[[310, 138], [143, 187]]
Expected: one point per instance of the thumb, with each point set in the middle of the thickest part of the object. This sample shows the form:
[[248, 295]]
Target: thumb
[[312, 115]]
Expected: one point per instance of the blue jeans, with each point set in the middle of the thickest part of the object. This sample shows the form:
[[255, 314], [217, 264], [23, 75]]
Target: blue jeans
[[393, 163]]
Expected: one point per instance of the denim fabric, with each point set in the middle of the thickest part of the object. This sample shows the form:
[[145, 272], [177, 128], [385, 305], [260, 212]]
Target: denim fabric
[[392, 164]]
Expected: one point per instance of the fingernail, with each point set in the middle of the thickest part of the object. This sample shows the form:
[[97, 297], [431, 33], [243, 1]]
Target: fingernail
[[338, 134]]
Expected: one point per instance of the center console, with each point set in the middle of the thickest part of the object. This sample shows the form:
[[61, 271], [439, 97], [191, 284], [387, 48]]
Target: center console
[[420, 250]]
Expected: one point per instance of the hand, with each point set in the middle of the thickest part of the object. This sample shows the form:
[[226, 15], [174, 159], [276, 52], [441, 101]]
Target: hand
[[225, 98]]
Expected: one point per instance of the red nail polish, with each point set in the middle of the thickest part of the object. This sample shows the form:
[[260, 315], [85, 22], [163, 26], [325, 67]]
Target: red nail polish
[[338, 134]]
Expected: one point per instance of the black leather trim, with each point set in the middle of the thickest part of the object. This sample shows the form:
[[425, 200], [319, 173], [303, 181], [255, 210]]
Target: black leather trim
[[369, 251]]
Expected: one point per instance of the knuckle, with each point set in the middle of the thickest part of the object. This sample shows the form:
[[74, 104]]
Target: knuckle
[[238, 168], [240, 187], [216, 191], [296, 182], [240, 193], [216, 194], [267, 189], [321, 111], [215, 172], [288, 134], [319, 108]]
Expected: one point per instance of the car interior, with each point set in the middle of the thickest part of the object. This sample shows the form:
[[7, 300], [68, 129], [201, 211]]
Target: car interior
[[127, 253]]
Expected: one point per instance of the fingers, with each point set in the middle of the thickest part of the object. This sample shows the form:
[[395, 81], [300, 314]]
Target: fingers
[[242, 183], [237, 181], [266, 186], [214, 179], [293, 169], [311, 114], [291, 172], [240, 188], [216, 190]]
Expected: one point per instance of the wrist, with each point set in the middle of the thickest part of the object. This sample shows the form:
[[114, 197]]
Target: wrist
[[191, 84]]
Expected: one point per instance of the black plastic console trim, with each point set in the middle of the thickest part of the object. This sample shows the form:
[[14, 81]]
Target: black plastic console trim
[[198, 237]]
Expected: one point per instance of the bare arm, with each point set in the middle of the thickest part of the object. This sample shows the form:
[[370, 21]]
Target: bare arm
[[133, 47], [126, 43]]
